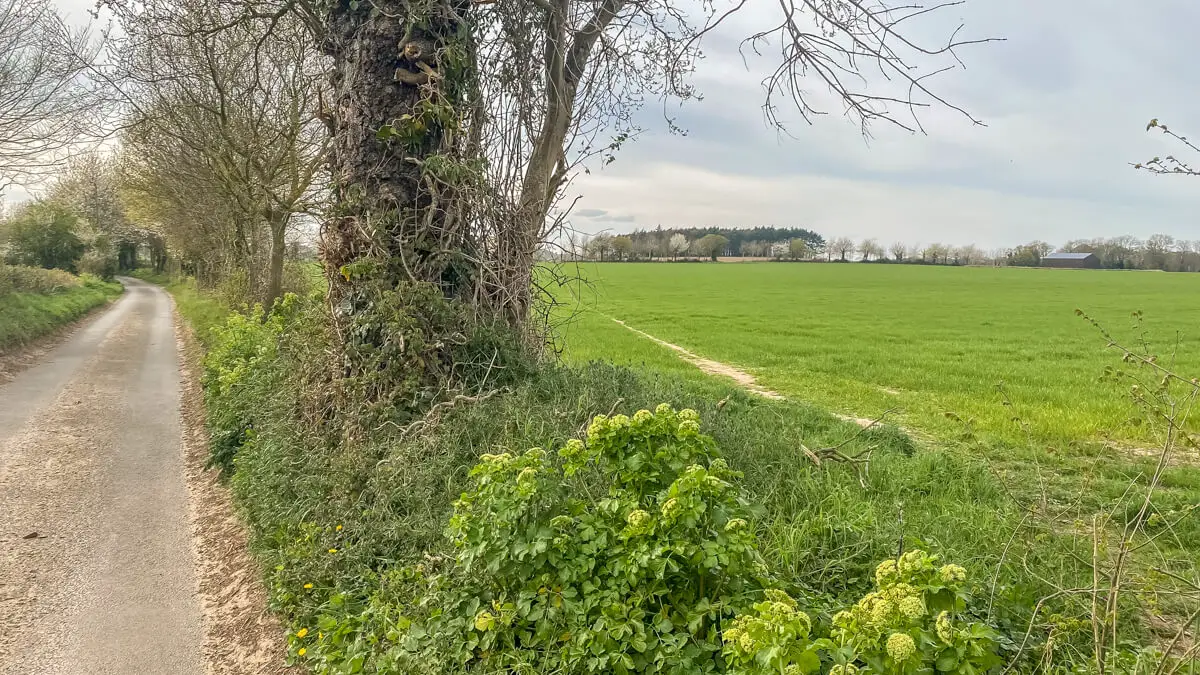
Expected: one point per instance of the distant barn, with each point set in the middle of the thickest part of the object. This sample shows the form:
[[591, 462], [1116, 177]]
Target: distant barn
[[1074, 260]]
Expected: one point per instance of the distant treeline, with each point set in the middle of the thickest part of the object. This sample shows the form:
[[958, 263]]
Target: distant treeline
[[706, 242], [756, 241]]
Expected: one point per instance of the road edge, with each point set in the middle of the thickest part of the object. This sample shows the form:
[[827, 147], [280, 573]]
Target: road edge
[[16, 358], [240, 635]]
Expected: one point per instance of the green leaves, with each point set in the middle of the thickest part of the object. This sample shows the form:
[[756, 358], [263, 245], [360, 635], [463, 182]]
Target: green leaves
[[635, 579], [911, 623]]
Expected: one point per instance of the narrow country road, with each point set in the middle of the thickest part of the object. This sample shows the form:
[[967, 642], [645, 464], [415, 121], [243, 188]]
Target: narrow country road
[[97, 569]]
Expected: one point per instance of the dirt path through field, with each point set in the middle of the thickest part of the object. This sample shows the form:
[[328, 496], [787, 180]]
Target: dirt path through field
[[98, 570], [744, 379], [741, 377]]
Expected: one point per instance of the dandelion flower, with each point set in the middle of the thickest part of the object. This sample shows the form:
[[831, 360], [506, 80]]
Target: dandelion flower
[[338, 528], [307, 586], [302, 651], [333, 550], [302, 632]]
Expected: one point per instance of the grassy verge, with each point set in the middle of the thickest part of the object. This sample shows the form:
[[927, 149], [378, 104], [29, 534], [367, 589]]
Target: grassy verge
[[27, 316], [338, 520]]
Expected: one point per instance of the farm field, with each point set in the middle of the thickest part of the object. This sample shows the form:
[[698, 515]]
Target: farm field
[[922, 341]]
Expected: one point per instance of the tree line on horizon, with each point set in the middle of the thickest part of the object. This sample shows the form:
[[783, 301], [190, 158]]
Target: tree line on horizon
[[1157, 252]]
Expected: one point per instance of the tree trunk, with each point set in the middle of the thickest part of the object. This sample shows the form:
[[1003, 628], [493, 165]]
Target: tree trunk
[[278, 223], [392, 223]]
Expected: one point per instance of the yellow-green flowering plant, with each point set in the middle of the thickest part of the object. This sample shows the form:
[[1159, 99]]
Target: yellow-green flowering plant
[[629, 555], [913, 622], [773, 639]]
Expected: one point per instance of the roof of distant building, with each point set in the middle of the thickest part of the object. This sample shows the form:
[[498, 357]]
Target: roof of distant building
[[1066, 256]]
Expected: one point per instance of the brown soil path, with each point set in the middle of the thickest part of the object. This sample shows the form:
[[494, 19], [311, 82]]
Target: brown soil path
[[741, 377]]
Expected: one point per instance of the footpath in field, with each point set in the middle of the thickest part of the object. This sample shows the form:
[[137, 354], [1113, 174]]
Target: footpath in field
[[741, 377], [99, 572]]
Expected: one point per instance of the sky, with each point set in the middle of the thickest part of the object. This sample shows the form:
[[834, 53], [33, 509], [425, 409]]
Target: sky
[[1065, 99]]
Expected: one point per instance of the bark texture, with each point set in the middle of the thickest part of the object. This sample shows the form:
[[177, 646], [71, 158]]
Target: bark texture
[[393, 108]]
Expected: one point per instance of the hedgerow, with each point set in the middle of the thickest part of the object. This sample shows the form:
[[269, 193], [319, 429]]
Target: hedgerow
[[454, 550], [34, 301]]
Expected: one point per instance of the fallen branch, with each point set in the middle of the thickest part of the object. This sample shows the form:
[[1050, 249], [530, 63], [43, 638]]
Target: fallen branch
[[861, 461]]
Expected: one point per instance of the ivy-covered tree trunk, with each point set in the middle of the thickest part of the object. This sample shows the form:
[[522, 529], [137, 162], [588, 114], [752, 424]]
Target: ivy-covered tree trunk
[[399, 73], [399, 247]]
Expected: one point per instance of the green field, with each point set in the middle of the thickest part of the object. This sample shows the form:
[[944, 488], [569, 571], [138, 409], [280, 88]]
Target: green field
[[924, 341]]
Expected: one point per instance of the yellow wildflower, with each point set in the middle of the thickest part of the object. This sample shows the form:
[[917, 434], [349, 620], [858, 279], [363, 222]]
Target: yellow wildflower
[[338, 528], [945, 628], [333, 550], [952, 573], [302, 651], [901, 646], [307, 586], [302, 632], [912, 607]]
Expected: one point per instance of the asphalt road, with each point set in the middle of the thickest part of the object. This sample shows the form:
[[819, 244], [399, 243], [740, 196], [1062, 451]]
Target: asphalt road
[[97, 569]]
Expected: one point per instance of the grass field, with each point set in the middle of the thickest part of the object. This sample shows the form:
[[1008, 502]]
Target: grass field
[[862, 339]]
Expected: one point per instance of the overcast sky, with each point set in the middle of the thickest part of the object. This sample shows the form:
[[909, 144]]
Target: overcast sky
[[1065, 98]]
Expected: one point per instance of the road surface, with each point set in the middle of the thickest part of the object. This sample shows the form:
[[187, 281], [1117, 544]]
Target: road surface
[[97, 569]]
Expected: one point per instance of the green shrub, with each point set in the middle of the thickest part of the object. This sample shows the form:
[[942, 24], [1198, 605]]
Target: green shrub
[[627, 559], [44, 235], [913, 623], [99, 263], [21, 279], [239, 370], [630, 553]]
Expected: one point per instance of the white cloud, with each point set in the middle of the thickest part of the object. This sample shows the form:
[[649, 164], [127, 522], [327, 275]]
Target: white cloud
[[677, 195], [1065, 98]]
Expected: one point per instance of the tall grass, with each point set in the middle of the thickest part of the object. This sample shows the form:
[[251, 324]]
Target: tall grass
[[33, 302]]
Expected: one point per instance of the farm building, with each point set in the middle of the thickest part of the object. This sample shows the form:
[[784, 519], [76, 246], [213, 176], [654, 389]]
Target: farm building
[[1077, 260]]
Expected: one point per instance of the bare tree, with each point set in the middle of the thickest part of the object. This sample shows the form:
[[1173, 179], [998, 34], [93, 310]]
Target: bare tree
[[456, 124], [898, 250], [234, 113], [968, 254], [870, 248], [46, 102], [936, 253], [538, 87], [1170, 164], [842, 246]]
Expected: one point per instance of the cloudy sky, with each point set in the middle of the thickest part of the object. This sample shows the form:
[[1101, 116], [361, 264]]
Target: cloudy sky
[[1065, 99]]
